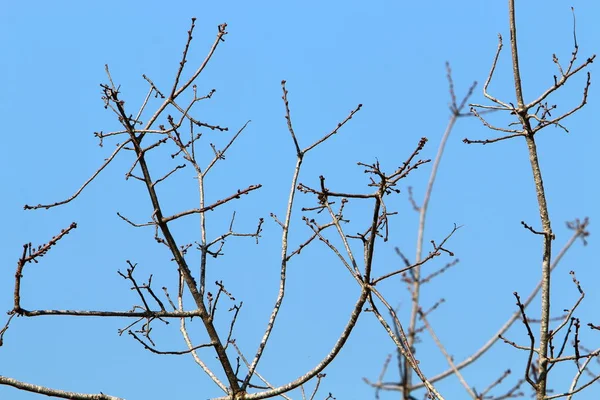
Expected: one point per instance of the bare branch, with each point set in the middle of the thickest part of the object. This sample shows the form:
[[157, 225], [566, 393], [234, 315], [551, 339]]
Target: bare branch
[[78, 192], [28, 387]]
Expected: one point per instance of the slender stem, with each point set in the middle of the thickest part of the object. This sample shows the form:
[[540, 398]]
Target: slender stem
[[494, 338], [416, 285], [28, 387], [283, 274], [373, 237], [337, 347], [204, 251], [515, 56], [448, 357], [543, 210], [177, 255], [546, 260]]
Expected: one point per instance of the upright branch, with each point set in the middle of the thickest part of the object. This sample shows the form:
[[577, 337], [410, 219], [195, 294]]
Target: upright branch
[[541, 117], [456, 111], [182, 133], [580, 231], [135, 133], [111, 94], [515, 54], [285, 256], [31, 254], [385, 184]]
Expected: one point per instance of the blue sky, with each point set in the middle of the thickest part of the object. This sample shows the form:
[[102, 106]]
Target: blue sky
[[387, 55]]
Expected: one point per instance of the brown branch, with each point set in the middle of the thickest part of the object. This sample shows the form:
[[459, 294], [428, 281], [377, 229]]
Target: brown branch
[[334, 131], [531, 343], [176, 353], [112, 95], [78, 192], [322, 364], [222, 152], [401, 342], [63, 394], [30, 255], [245, 361], [214, 205], [579, 232], [284, 247], [491, 74], [432, 254], [126, 314]]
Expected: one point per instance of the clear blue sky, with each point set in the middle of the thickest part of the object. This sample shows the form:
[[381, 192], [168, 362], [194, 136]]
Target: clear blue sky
[[387, 55]]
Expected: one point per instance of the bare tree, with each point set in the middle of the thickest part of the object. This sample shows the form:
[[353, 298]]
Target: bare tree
[[528, 119], [166, 127], [171, 130]]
